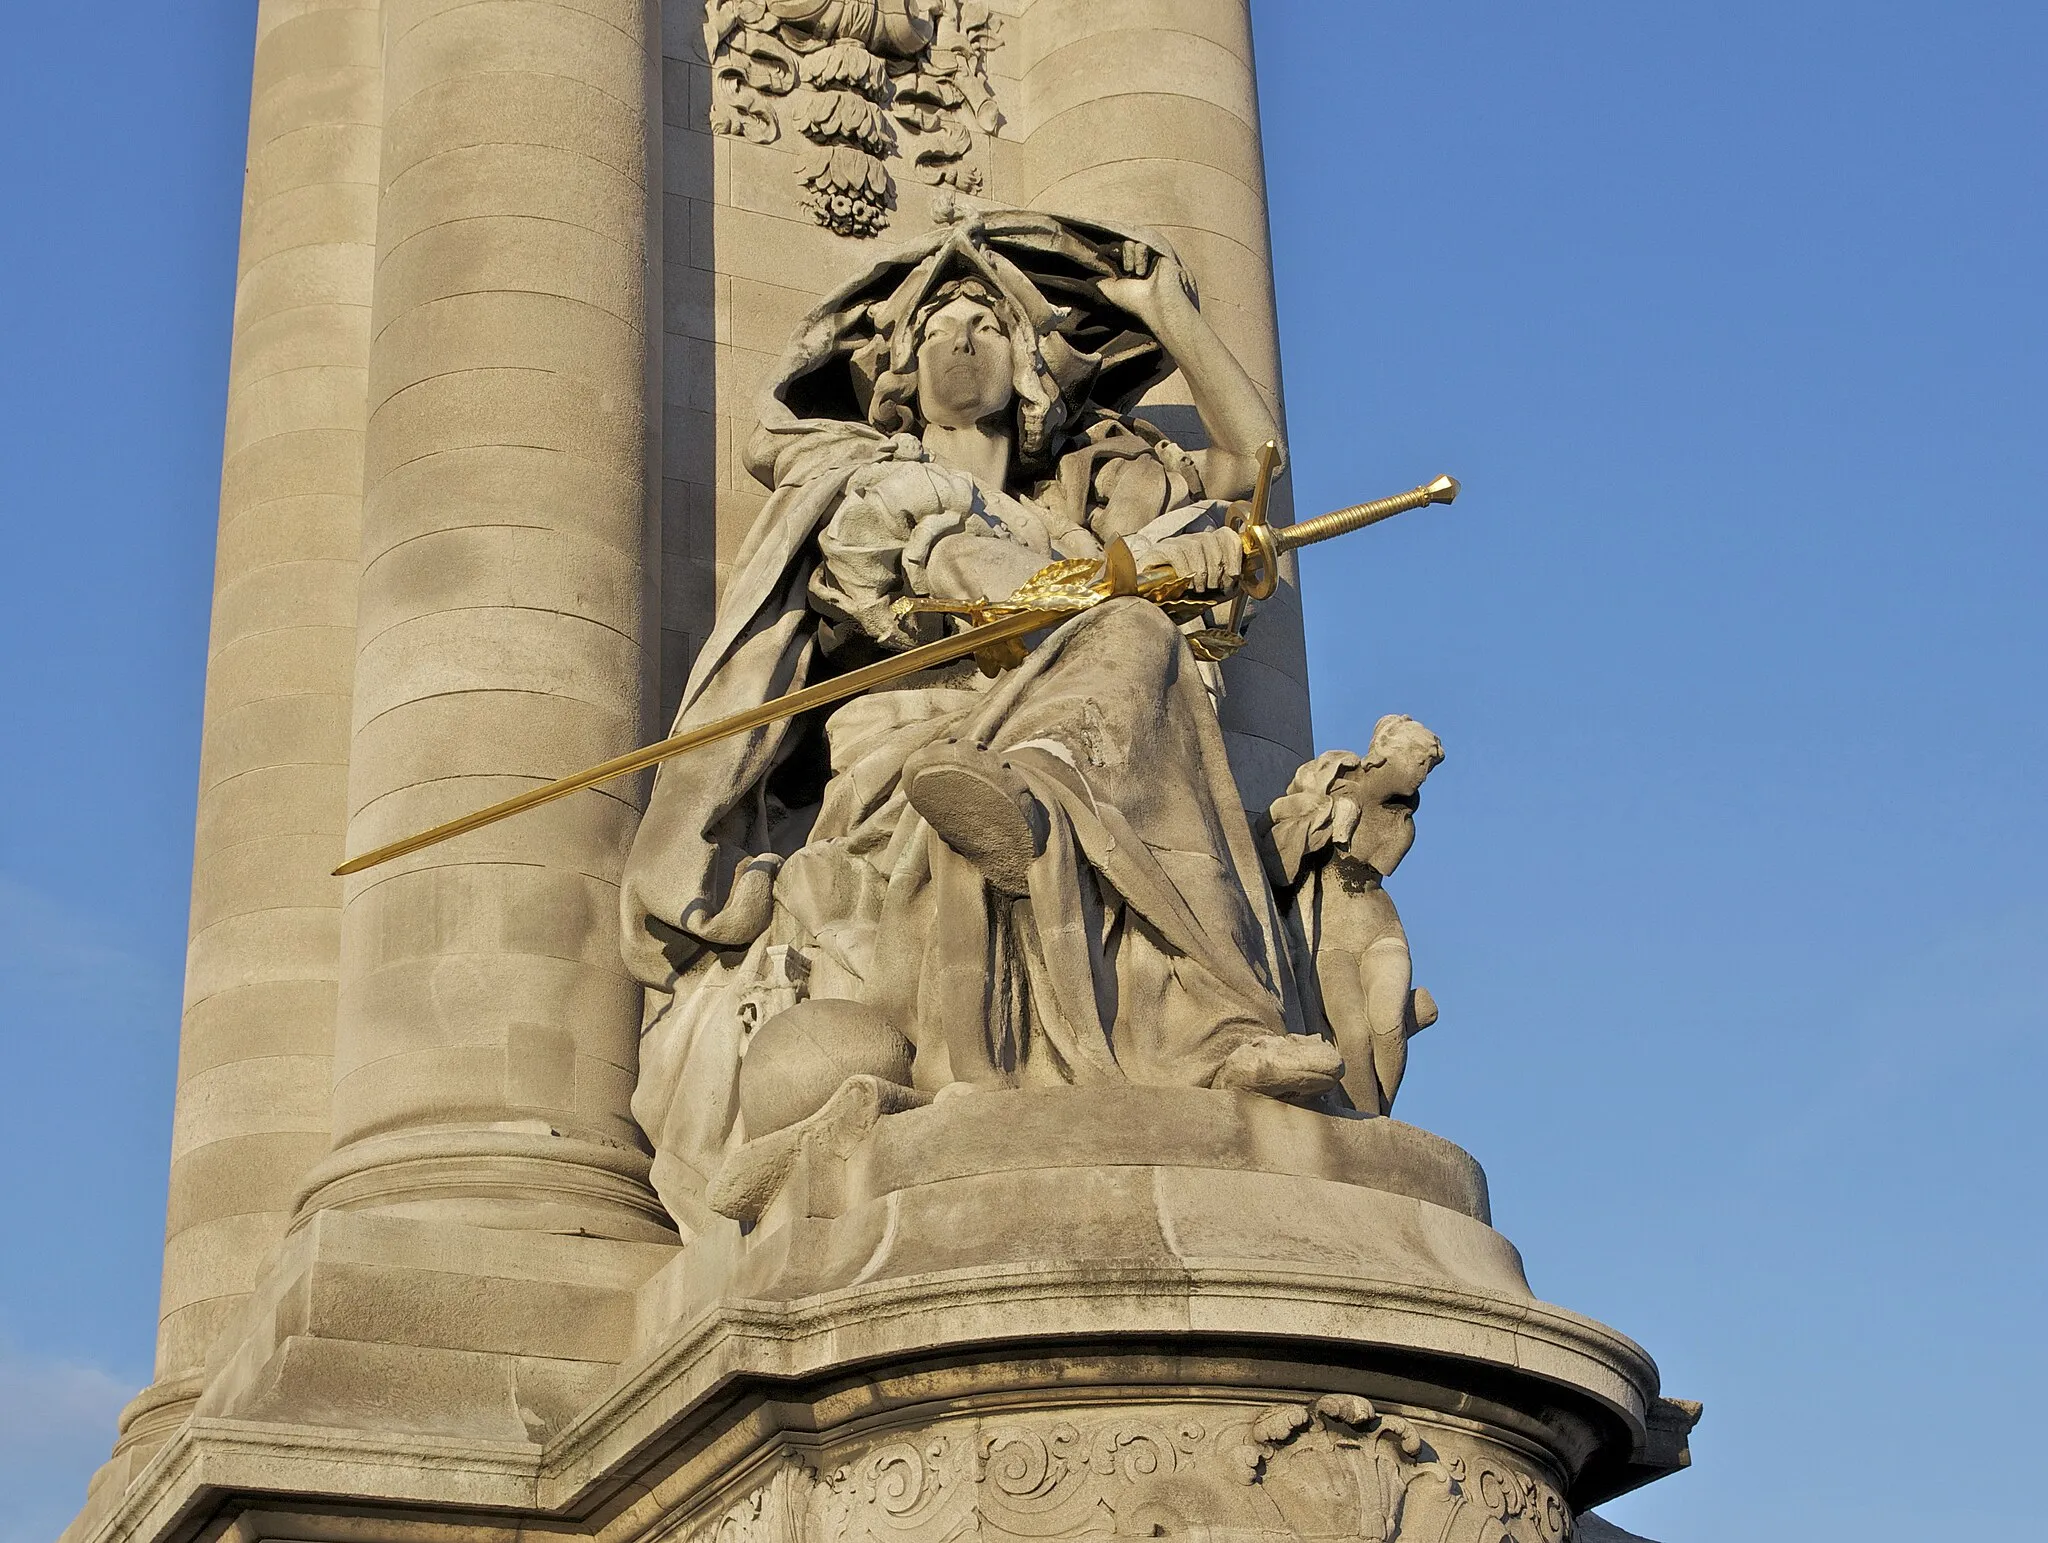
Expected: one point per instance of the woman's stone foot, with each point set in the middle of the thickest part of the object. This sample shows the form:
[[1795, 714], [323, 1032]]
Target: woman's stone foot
[[1281, 1066], [981, 808]]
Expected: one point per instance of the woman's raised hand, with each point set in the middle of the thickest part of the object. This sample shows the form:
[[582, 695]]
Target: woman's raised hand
[[1154, 291]]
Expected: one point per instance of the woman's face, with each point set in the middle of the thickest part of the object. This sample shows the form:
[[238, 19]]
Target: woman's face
[[964, 364]]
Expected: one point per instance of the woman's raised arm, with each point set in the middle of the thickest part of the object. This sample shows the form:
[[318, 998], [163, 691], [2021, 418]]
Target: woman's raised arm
[[1231, 408]]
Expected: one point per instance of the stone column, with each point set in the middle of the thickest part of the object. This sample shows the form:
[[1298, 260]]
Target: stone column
[[1147, 112], [487, 1032], [258, 1027]]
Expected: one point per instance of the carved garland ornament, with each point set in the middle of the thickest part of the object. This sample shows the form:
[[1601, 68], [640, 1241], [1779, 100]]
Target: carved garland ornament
[[864, 81], [1293, 1473]]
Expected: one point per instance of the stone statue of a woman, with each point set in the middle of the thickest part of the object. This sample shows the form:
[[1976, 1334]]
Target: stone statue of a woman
[[1038, 878]]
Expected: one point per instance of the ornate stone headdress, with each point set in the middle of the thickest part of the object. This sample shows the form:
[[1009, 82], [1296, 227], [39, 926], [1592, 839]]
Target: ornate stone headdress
[[1051, 375], [1074, 351]]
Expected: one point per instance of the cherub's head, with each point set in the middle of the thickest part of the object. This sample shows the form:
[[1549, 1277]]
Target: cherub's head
[[1386, 786]]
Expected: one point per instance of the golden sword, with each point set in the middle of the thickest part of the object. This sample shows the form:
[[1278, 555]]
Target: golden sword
[[996, 638]]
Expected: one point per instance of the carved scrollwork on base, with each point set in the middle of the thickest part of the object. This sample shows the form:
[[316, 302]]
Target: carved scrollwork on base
[[1334, 1470]]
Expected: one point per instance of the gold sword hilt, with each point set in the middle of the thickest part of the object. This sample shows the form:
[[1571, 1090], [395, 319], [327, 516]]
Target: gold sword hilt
[[1265, 543]]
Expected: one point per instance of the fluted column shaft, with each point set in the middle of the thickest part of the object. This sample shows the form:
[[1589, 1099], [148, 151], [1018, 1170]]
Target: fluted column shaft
[[487, 1033], [253, 1071], [1147, 112]]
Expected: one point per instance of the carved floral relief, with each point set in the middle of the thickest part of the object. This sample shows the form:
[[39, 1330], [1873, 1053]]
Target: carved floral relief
[[1336, 1469], [865, 83]]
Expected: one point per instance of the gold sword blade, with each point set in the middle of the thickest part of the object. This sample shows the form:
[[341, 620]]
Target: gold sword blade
[[852, 683], [1004, 629]]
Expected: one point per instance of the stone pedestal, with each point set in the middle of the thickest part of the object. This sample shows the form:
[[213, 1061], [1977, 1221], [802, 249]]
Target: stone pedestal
[[1061, 1314]]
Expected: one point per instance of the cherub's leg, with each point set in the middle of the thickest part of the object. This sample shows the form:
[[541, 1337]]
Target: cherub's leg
[[1341, 977], [1384, 976]]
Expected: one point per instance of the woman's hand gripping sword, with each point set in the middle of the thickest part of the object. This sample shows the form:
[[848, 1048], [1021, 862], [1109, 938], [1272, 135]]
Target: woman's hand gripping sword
[[995, 637]]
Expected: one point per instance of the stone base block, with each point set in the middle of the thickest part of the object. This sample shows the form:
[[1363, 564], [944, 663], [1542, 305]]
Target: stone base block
[[1067, 1314], [395, 1324]]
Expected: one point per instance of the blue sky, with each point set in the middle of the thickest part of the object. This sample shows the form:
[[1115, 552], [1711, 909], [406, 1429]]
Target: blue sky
[[1731, 319]]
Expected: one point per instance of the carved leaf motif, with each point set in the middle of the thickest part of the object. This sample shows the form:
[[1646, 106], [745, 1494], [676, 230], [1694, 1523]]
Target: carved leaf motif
[[845, 116], [848, 66], [919, 64]]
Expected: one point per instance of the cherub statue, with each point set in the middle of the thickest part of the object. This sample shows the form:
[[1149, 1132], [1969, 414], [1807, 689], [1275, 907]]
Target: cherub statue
[[1044, 877], [1339, 831]]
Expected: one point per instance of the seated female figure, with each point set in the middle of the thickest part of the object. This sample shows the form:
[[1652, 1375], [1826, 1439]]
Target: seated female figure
[[1038, 878]]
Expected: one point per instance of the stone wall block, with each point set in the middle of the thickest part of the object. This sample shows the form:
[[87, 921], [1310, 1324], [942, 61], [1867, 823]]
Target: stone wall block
[[566, 336], [252, 1098], [1113, 61], [303, 587], [289, 527], [261, 873], [217, 1260], [486, 484], [1050, 25], [304, 276], [244, 1175], [491, 650], [1173, 190], [478, 1084], [510, 254], [597, 45], [298, 217], [314, 396], [465, 1311], [280, 944], [280, 798], [546, 181], [506, 121], [1268, 703], [470, 919], [303, 722], [299, 52], [1262, 767], [1201, 132], [297, 338], [773, 248], [511, 566], [308, 463], [258, 1020], [477, 1002], [465, 749], [278, 661], [693, 302]]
